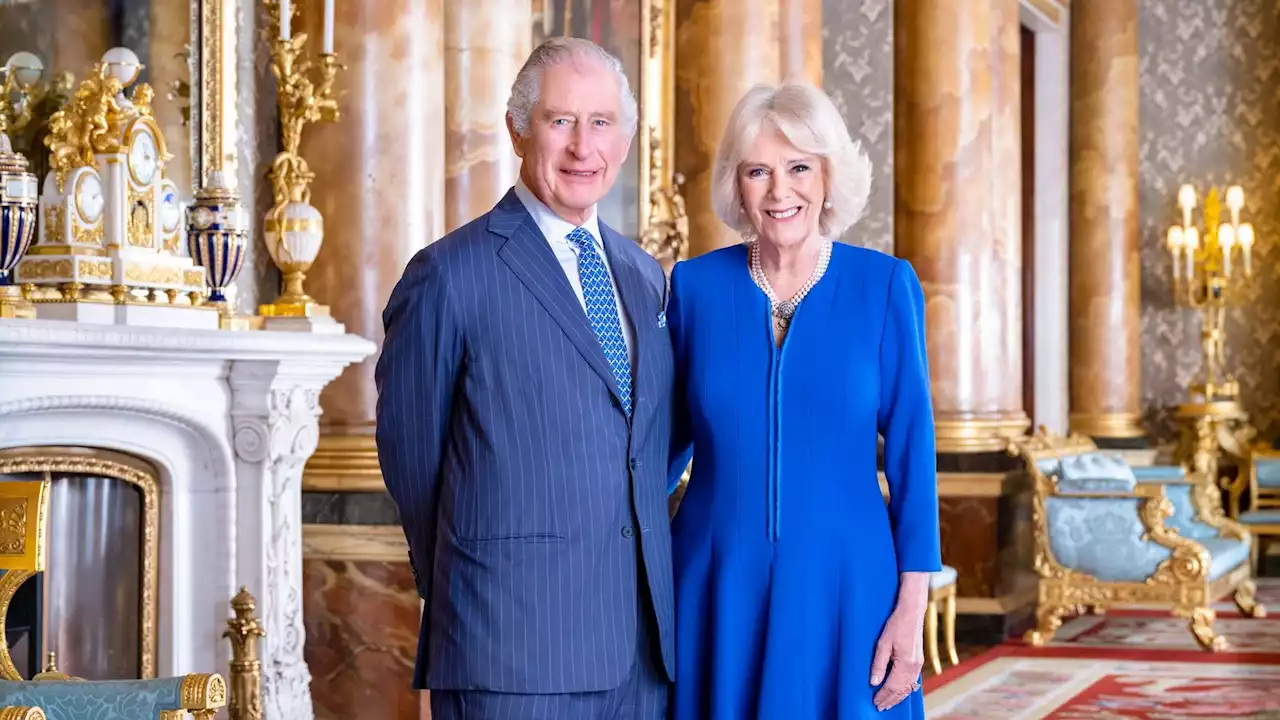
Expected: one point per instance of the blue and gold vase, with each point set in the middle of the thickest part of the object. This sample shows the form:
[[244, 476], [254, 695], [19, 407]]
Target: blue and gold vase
[[218, 235], [19, 201]]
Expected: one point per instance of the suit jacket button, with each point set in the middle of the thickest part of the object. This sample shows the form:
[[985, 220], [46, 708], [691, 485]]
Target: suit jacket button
[[615, 401], [634, 464], [628, 532]]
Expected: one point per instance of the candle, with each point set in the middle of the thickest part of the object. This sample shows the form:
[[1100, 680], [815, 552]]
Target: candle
[[285, 19], [1235, 201], [1187, 201], [1226, 239], [1245, 236], [1174, 243], [328, 27]]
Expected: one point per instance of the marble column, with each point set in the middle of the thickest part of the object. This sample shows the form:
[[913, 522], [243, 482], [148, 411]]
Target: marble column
[[380, 187], [723, 48], [1105, 288], [957, 212], [801, 38], [485, 44]]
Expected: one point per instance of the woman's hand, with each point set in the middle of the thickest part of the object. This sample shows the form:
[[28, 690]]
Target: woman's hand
[[900, 650]]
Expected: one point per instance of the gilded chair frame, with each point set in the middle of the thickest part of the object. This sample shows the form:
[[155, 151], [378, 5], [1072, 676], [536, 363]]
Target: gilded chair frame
[[1263, 533], [942, 601], [1181, 580], [101, 463]]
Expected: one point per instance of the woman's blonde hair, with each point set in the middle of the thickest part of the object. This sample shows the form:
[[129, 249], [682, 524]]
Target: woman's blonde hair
[[808, 119]]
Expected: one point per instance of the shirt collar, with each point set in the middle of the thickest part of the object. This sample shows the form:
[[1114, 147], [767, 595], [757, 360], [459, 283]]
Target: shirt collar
[[555, 228]]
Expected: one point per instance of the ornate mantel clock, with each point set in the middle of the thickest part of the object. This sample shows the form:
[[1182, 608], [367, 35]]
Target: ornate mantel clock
[[112, 221]]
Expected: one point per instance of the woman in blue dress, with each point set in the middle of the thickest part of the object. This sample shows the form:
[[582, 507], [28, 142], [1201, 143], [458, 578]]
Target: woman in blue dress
[[800, 593]]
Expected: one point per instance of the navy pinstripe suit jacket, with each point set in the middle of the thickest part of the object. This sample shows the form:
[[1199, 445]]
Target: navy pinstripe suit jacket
[[528, 498]]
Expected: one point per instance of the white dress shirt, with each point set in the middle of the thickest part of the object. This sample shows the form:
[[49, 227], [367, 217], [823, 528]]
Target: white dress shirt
[[556, 231]]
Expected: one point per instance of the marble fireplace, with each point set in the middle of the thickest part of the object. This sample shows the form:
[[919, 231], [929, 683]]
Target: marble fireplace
[[225, 421]]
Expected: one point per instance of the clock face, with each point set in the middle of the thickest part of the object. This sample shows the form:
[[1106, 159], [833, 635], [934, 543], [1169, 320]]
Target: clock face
[[170, 212], [89, 198], [143, 160]]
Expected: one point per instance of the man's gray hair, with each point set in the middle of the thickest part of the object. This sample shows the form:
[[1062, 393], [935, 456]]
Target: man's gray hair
[[527, 88]]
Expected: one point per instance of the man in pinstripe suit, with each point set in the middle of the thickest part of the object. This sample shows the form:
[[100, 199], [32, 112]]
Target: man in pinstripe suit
[[524, 418]]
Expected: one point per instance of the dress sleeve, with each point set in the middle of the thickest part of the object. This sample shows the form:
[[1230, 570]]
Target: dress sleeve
[[905, 419], [681, 428]]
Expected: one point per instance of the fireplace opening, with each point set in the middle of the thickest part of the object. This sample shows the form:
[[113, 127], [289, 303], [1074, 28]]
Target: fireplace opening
[[95, 603]]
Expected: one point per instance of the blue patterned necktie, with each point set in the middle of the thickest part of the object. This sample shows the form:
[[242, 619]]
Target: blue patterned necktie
[[602, 311]]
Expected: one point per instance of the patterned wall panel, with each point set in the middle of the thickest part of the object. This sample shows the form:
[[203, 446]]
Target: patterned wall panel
[[1210, 83], [857, 42]]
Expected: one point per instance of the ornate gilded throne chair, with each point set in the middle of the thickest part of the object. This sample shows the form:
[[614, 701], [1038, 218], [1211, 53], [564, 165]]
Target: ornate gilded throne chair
[[24, 507], [1105, 536]]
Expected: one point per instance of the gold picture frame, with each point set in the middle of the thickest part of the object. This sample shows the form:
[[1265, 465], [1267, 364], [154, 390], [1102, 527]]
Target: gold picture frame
[[142, 475], [641, 34], [214, 116]]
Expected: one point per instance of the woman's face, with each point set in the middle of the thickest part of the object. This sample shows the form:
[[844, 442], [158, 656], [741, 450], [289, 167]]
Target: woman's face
[[782, 190]]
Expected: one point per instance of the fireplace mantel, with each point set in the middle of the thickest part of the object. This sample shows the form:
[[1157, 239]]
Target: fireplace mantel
[[229, 420]]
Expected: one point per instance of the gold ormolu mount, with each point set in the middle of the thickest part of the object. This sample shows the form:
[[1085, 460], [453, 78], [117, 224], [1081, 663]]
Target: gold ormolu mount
[[293, 228], [244, 632]]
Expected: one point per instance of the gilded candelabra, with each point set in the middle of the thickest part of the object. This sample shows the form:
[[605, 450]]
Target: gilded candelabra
[[293, 229], [1207, 270], [244, 631]]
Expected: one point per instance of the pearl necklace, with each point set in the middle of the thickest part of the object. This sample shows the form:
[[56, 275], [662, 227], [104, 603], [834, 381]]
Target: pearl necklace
[[783, 311]]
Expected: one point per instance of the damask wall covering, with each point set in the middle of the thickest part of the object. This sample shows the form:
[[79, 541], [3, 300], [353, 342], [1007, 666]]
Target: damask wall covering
[[1210, 95], [1210, 113], [857, 48]]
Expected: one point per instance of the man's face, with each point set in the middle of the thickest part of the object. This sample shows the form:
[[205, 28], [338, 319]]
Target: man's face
[[577, 139]]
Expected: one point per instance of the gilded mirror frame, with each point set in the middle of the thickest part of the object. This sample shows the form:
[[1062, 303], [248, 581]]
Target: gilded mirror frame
[[126, 468], [213, 90], [663, 224]]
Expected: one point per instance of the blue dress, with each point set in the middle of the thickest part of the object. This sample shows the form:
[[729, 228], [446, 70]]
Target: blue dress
[[786, 555]]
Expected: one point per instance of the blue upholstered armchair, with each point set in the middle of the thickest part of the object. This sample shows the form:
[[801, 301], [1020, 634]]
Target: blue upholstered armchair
[[1259, 485], [65, 698], [1105, 536]]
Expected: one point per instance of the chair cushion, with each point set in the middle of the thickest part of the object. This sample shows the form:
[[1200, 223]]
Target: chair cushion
[[1102, 537], [1159, 473], [944, 577], [1260, 517], [1225, 554], [1184, 519], [1095, 472], [1268, 473], [97, 700]]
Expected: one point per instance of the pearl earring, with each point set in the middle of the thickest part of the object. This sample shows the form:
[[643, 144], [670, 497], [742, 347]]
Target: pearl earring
[[827, 204]]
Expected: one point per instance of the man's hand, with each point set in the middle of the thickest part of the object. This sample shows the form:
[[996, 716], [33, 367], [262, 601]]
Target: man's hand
[[900, 650]]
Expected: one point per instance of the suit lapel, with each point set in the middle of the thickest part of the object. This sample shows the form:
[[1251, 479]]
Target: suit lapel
[[529, 256], [633, 289]]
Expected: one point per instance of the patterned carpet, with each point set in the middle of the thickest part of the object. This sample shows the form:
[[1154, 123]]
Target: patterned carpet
[[1017, 682], [1132, 663]]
